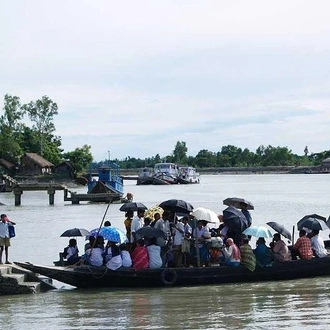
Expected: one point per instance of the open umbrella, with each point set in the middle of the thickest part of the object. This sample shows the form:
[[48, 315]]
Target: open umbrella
[[236, 202], [149, 232], [234, 219], [110, 233], [280, 229], [258, 231], [313, 223], [151, 212], [74, 232], [177, 206], [202, 213], [132, 206]]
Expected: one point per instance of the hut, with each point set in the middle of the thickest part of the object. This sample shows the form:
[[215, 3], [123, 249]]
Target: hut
[[6, 167], [65, 169], [34, 164]]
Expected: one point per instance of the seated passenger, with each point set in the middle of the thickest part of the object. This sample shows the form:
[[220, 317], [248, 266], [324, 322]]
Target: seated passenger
[[91, 242], [248, 259], [280, 251], [318, 247], [72, 252], [125, 256], [303, 247], [262, 253], [155, 260], [115, 261], [231, 253], [94, 255], [140, 256]]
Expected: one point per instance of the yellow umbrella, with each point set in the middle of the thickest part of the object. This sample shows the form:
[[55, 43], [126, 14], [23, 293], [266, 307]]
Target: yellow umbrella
[[151, 212]]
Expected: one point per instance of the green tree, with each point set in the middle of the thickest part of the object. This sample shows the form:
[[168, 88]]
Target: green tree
[[80, 158], [41, 113], [205, 158], [180, 152], [11, 127]]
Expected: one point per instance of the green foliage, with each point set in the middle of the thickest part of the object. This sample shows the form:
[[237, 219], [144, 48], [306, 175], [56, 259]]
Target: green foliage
[[80, 158], [180, 153], [41, 113]]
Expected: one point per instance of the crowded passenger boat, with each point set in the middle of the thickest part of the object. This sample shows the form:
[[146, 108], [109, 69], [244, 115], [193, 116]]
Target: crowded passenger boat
[[160, 248]]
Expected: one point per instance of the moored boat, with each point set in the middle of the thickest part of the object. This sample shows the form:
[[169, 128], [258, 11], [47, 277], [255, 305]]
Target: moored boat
[[188, 174], [93, 277], [108, 180]]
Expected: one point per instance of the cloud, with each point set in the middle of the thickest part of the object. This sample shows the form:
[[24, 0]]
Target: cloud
[[134, 78]]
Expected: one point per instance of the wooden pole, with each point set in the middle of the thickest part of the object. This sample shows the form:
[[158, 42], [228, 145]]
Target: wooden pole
[[293, 235]]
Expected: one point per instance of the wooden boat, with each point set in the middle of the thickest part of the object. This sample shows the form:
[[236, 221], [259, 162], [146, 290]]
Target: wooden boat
[[93, 277]]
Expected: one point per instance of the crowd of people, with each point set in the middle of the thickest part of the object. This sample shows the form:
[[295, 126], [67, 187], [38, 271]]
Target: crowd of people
[[189, 243]]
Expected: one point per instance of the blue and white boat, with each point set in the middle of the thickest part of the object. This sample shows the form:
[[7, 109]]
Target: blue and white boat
[[107, 180]]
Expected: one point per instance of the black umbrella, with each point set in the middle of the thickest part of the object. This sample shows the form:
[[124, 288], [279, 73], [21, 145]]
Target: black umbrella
[[234, 219], [177, 206], [74, 232], [132, 206], [280, 229], [149, 232], [312, 223], [236, 202]]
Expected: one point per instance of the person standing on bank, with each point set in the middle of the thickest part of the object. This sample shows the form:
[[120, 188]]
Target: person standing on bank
[[4, 236]]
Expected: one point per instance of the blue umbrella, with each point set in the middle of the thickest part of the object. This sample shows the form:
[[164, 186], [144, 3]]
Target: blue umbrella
[[258, 231], [110, 233]]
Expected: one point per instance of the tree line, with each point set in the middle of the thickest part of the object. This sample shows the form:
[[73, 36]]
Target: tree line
[[228, 156], [30, 128]]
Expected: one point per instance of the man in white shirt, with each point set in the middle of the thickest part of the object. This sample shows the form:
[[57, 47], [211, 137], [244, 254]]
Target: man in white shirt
[[178, 235], [318, 245], [4, 236], [136, 224]]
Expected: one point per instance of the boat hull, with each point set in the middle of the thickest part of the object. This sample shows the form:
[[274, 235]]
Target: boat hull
[[93, 277]]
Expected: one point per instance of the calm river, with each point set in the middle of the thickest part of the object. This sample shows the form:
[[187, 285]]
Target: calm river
[[291, 304]]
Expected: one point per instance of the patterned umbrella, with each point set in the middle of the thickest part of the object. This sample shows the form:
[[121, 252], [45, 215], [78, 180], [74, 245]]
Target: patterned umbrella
[[110, 233], [151, 212]]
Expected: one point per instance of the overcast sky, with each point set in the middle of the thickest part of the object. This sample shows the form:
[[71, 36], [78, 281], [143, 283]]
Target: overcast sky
[[134, 77]]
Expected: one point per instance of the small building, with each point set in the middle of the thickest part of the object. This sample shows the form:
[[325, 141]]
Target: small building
[[34, 164], [6, 167], [65, 169]]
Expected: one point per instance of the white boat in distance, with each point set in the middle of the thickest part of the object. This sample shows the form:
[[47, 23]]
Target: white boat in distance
[[168, 173], [188, 174]]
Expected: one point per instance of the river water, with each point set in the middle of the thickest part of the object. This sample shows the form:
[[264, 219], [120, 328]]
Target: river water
[[288, 304]]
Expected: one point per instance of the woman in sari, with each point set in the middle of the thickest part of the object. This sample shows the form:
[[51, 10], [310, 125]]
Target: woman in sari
[[139, 256]]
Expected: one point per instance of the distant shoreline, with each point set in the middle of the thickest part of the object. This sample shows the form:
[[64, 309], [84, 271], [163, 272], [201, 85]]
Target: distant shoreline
[[131, 174]]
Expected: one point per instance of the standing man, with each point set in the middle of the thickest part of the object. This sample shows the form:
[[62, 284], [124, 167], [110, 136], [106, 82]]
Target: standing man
[[4, 236], [246, 213], [136, 224]]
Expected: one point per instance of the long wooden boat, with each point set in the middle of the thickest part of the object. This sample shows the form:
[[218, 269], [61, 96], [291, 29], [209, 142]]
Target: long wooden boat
[[93, 277]]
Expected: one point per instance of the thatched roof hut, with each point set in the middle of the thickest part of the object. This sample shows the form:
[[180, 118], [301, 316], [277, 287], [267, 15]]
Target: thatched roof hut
[[34, 164]]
